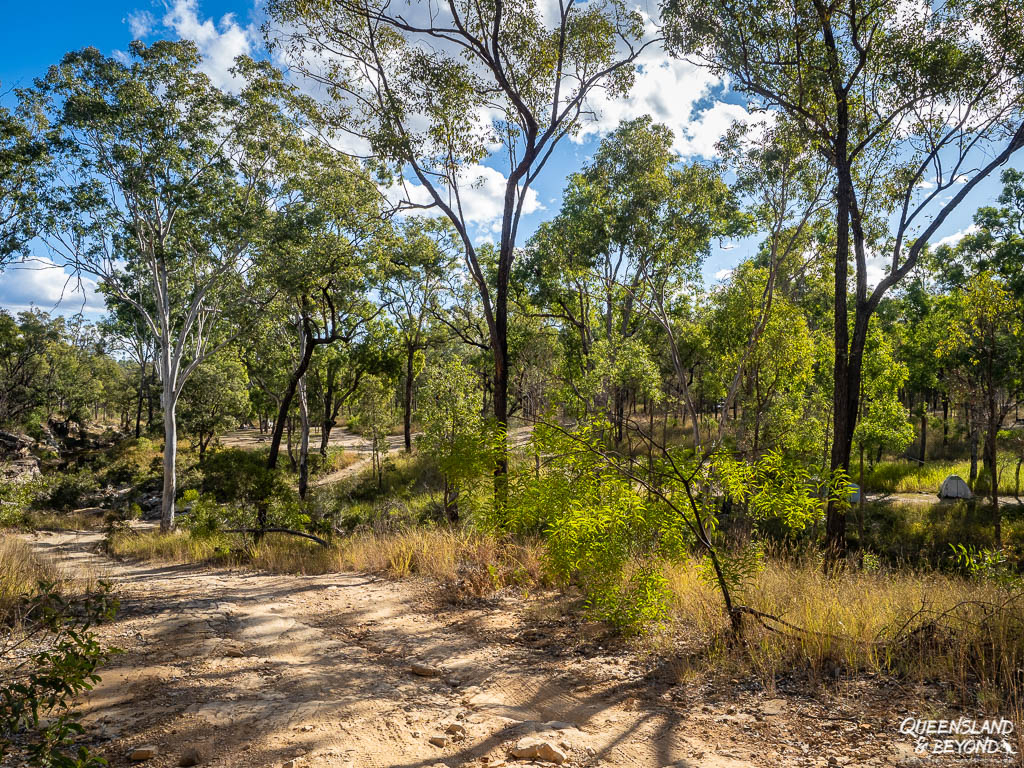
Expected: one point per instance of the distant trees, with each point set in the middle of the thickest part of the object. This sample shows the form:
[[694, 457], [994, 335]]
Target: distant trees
[[987, 354], [416, 264], [454, 431], [53, 369], [215, 399]]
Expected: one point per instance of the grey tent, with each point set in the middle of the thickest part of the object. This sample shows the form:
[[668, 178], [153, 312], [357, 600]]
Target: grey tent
[[954, 487]]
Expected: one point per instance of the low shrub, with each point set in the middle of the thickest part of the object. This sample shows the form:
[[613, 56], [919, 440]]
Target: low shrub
[[50, 659]]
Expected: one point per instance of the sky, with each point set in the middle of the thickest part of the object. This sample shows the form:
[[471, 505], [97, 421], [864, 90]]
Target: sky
[[696, 106]]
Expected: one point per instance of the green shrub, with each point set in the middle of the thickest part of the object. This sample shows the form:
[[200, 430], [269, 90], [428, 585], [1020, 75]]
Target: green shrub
[[37, 724], [236, 476], [68, 490]]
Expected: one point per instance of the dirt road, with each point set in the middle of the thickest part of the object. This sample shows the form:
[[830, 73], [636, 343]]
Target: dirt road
[[258, 670]]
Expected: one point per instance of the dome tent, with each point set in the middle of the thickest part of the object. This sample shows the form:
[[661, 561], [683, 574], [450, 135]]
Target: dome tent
[[954, 487]]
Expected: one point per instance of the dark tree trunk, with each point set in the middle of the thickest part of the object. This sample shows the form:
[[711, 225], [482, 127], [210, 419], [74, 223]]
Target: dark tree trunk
[[410, 353], [138, 408], [924, 430], [328, 421], [286, 400], [500, 349], [992, 464], [945, 424], [974, 454]]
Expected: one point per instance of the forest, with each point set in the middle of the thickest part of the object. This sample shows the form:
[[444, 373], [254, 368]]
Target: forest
[[794, 486]]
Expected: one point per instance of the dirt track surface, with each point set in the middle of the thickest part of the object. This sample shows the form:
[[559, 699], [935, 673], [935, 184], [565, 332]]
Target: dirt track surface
[[257, 670]]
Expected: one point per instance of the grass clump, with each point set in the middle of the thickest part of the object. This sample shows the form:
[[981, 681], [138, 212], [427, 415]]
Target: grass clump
[[477, 564], [967, 633], [21, 572]]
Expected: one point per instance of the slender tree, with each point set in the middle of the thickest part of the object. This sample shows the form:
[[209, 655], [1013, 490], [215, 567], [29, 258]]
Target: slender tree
[[164, 188]]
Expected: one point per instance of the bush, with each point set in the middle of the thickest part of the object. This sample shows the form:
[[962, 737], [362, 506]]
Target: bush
[[68, 490], [234, 475], [37, 725]]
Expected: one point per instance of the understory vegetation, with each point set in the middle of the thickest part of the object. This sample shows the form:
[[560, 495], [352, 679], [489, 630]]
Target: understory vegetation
[[708, 393]]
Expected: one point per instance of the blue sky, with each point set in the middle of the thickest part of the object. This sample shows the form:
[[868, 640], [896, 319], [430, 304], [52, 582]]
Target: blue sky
[[691, 102]]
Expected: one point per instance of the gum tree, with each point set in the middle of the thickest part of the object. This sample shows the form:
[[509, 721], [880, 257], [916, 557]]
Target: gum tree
[[910, 105], [24, 163], [164, 186], [418, 261], [434, 88]]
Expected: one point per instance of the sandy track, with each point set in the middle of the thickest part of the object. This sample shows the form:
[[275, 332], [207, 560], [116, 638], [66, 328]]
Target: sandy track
[[257, 670]]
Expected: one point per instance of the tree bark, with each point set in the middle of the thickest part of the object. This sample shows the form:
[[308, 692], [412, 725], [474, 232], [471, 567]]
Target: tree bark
[[286, 400], [845, 390], [410, 353], [138, 408], [924, 430], [501, 395], [991, 464], [303, 439], [170, 453], [945, 424]]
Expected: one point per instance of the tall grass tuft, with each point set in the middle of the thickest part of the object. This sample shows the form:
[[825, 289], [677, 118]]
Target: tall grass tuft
[[21, 571], [926, 626]]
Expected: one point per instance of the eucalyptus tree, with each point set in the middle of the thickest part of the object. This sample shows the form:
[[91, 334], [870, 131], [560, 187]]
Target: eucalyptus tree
[[317, 260], [984, 351], [24, 164], [340, 367], [781, 408], [24, 365], [910, 105], [214, 399], [416, 265], [634, 217], [125, 332], [165, 184], [435, 88]]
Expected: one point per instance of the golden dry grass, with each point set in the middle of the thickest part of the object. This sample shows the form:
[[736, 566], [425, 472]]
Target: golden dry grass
[[438, 553], [21, 570], [968, 633]]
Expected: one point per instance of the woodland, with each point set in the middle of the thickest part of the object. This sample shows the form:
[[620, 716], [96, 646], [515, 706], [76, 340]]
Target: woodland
[[310, 363]]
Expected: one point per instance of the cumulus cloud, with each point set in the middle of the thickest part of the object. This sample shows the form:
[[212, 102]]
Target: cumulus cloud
[[43, 284], [218, 42], [677, 93], [140, 23], [956, 237], [723, 274], [482, 192]]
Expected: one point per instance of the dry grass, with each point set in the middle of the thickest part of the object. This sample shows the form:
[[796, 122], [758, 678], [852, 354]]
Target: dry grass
[[21, 570], [966, 633], [49, 520], [480, 563]]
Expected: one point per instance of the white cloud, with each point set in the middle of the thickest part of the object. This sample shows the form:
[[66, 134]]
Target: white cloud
[[42, 283], [219, 43], [482, 192], [672, 92], [723, 274], [956, 237], [140, 24]]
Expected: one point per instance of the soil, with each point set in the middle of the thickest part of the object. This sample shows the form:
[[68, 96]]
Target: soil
[[236, 668]]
